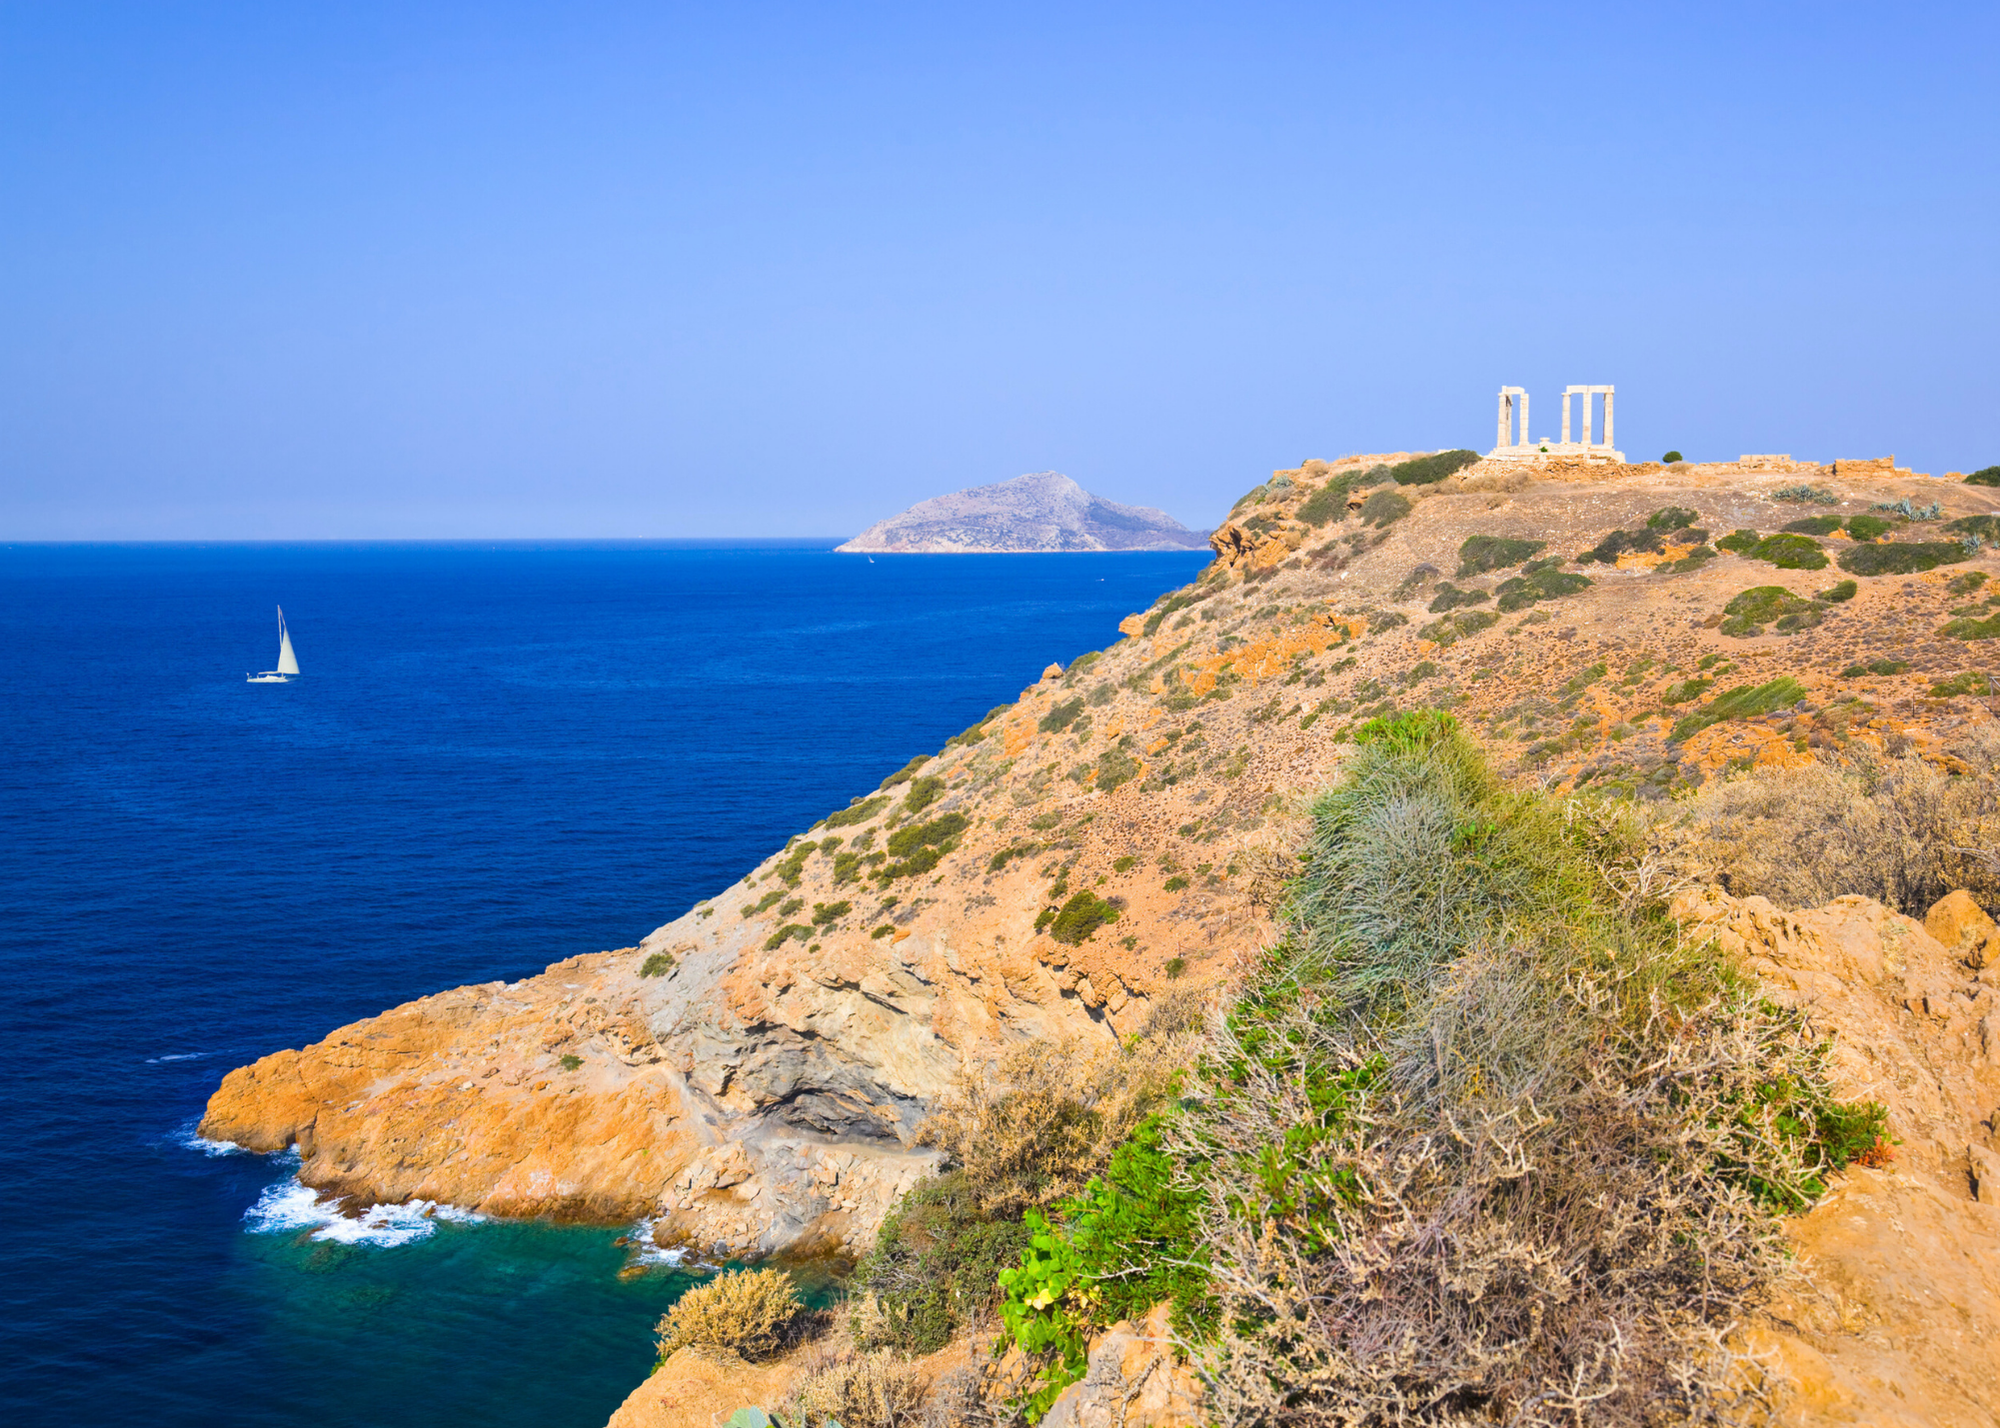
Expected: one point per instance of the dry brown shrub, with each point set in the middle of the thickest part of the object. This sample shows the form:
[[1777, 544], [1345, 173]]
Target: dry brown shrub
[[1040, 1123], [1904, 832], [875, 1390], [747, 1312]]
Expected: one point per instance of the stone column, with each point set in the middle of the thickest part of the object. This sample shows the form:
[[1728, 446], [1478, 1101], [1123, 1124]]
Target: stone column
[[1524, 419], [1566, 392], [1587, 402], [1609, 439], [1506, 437]]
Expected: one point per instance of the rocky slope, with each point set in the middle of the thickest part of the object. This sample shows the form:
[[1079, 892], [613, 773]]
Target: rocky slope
[[751, 1076], [1041, 512]]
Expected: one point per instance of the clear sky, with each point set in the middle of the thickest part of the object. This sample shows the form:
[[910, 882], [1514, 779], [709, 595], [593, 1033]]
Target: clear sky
[[292, 270]]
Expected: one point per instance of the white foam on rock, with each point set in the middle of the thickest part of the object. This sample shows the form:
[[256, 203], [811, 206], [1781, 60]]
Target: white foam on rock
[[647, 1250], [288, 1207]]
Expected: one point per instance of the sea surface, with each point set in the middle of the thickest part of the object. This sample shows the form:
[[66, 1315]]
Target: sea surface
[[498, 756]]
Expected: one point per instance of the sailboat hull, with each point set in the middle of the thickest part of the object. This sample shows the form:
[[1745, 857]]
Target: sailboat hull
[[267, 679]]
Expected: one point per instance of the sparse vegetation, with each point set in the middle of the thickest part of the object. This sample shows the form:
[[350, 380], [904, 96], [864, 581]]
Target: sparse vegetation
[[1786, 550], [1815, 495], [1424, 470], [657, 965], [1966, 627], [1482, 554], [866, 1390], [1969, 682], [1453, 628], [1761, 605], [1985, 476], [1901, 557], [1384, 507], [1539, 580], [905, 773], [859, 811], [933, 1272], [1061, 715], [745, 1311], [1743, 702]]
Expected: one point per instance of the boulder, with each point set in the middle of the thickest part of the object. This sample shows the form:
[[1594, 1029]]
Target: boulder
[[1962, 927]]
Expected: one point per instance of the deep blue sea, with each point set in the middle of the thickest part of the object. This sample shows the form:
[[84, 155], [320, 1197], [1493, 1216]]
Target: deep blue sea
[[498, 756]]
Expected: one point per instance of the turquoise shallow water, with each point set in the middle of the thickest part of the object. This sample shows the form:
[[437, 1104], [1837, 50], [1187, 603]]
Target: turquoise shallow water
[[499, 756]]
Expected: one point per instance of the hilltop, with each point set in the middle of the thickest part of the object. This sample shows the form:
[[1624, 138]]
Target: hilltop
[[751, 1078], [1042, 512]]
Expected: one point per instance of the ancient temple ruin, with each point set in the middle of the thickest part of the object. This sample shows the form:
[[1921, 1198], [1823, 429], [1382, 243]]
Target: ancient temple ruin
[[1514, 400]]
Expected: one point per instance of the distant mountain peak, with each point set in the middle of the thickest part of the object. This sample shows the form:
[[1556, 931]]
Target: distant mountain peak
[[1041, 511]]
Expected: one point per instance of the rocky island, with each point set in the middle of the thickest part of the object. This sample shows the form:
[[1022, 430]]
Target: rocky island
[[1770, 666], [1041, 512]]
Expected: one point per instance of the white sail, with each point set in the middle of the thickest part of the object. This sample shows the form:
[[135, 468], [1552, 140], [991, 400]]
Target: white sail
[[288, 663]]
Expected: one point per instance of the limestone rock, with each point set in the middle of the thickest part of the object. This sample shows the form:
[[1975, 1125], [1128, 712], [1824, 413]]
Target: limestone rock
[[1133, 1382], [1962, 927]]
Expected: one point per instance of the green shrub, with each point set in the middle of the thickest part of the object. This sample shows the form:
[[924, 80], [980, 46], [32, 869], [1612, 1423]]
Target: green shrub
[[1424, 470], [1384, 508], [1008, 854], [1176, 967], [657, 965], [1682, 690], [1125, 864], [1883, 667], [1985, 476], [1328, 503], [1758, 606], [1450, 597], [923, 793], [919, 847], [1815, 525], [859, 811], [1844, 590], [1482, 554], [793, 867], [1818, 495], [1967, 628], [1079, 918], [1785, 550], [1967, 583], [903, 774], [825, 914], [571, 1063], [1868, 527], [935, 1266], [785, 934], [1743, 702], [1453, 628], [1970, 682], [1671, 457], [1176, 883], [887, 929], [1126, 1243], [1115, 766], [1061, 715], [1539, 580], [1738, 542], [752, 909], [1901, 557]]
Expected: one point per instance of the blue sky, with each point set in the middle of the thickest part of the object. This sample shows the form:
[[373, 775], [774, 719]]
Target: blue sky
[[279, 270]]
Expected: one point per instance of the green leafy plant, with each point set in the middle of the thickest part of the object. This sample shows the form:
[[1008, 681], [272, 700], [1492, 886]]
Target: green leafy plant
[[1671, 457], [887, 929], [657, 965], [825, 914], [923, 793], [935, 1266], [1079, 918], [570, 1063], [919, 847]]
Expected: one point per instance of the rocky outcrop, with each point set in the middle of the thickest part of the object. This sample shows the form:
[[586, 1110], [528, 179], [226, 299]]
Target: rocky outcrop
[[1134, 1380], [1042, 512], [1895, 1316], [761, 1089]]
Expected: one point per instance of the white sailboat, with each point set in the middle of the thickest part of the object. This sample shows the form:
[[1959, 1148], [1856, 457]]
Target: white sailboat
[[288, 663]]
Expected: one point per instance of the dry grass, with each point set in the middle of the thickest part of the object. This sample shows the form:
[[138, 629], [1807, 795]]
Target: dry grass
[[1037, 1125], [872, 1390], [1904, 831], [746, 1312]]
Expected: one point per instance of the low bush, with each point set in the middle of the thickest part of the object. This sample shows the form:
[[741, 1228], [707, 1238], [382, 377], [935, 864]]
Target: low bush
[[1815, 525], [1671, 457], [1970, 682], [919, 847], [1671, 518], [1424, 470], [1328, 503], [859, 811], [1384, 508], [1877, 667], [1115, 766], [1985, 527], [871, 1390], [570, 1062], [1760, 605], [905, 773], [746, 1311], [1538, 581], [657, 965], [1896, 831], [1061, 715], [923, 793], [787, 933], [1039, 1124], [1008, 854], [1843, 591], [1985, 476], [1453, 628], [825, 914], [1966, 627], [933, 1273], [1817, 495], [1868, 527], [1450, 597], [1079, 918], [1743, 702], [1967, 583], [1481, 554], [764, 903], [1901, 557], [1784, 550]]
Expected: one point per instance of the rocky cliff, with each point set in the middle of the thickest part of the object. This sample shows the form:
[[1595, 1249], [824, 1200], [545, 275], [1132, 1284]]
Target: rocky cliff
[[1041, 512], [752, 1074]]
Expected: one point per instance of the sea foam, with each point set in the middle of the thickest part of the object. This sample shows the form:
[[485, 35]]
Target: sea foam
[[288, 1207]]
